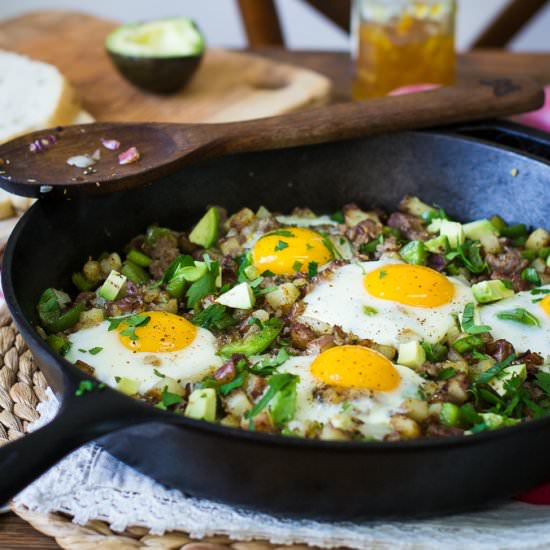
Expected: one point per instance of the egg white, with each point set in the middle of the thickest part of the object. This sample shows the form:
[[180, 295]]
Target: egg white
[[341, 300], [522, 337], [372, 410], [189, 364]]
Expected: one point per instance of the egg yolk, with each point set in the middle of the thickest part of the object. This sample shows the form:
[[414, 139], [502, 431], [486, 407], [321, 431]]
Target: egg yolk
[[355, 367], [286, 251], [163, 332], [411, 285], [545, 305]]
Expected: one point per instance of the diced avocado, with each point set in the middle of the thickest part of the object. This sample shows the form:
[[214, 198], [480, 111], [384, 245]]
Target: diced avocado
[[205, 233], [438, 245], [139, 258], [414, 253], [453, 231], [342, 421], [498, 223], [449, 415], [256, 342], [435, 226], [193, 273], [486, 292], [202, 405], [251, 272], [113, 286], [475, 230], [127, 386], [499, 382], [494, 421], [484, 231], [59, 343], [411, 354], [284, 295], [342, 247], [240, 296], [134, 272], [539, 239], [414, 206], [263, 213]]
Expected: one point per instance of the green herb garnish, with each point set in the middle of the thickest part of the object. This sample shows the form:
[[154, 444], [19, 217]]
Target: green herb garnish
[[158, 373], [519, 315], [281, 245], [267, 366], [531, 275], [96, 350], [237, 382], [280, 233], [489, 374], [312, 269], [297, 265], [468, 323], [84, 386], [214, 316], [469, 254], [447, 373], [370, 311]]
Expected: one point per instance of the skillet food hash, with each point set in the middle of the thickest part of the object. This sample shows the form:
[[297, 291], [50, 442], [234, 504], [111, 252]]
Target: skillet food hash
[[362, 325]]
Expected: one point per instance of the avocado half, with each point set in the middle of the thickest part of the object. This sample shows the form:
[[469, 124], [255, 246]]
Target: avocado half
[[158, 56]]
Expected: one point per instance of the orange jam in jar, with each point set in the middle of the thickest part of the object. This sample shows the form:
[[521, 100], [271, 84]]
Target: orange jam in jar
[[402, 42]]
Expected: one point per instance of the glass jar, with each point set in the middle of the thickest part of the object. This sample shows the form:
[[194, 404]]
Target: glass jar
[[398, 43]]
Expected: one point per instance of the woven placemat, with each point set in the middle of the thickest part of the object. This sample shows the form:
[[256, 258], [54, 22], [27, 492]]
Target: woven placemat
[[22, 387]]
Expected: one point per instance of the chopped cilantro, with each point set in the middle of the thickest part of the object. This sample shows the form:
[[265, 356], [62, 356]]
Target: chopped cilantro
[[237, 382], [267, 366], [117, 379], [312, 269], [280, 233], [84, 386], [281, 245], [96, 350], [468, 322], [519, 315], [338, 217], [543, 382], [158, 373], [435, 352], [531, 275], [169, 398], [382, 274], [469, 254], [370, 311], [215, 315], [268, 273], [370, 248], [489, 374], [447, 373], [297, 265]]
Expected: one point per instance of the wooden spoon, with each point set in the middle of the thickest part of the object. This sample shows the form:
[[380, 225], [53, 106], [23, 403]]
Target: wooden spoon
[[166, 148]]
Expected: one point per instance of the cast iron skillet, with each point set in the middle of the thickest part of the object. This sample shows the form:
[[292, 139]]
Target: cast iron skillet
[[470, 177]]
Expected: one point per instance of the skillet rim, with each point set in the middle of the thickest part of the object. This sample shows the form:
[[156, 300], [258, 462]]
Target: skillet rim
[[70, 373]]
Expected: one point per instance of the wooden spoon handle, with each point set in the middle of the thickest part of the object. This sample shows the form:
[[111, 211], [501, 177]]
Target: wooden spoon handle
[[478, 100]]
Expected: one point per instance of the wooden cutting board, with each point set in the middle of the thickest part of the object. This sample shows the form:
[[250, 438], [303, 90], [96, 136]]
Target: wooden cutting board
[[229, 86]]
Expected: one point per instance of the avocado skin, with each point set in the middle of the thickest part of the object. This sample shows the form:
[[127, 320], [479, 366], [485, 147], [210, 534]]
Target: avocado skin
[[160, 75]]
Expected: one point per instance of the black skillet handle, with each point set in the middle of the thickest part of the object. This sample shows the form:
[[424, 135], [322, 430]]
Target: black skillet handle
[[509, 134], [79, 421]]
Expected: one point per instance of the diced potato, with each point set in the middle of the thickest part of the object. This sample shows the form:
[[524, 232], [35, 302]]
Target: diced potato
[[406, 427], [457, 392], [285, 295], [110, 263], [230, 421], [92, 271], [387, 351], [540, 238], [539, 264], [263, 213], [328, 433], [241, 219], [91, 317], [342, 421], [170, 384], [261, 314], [415, 207], [416, 409], [230, 246], [434, 409], [237, 403], [354, 216]]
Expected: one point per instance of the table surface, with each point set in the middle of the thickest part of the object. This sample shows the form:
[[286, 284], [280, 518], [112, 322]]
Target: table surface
[[15, 534]]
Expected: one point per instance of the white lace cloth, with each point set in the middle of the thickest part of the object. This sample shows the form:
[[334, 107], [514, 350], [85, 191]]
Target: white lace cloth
[[91, 484]]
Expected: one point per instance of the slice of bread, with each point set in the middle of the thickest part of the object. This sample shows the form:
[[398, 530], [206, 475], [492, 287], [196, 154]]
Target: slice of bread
[[33, 95]]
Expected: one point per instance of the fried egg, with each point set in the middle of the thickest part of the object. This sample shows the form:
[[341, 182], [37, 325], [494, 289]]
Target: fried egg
[[165, 346], [524, 337], [290, 250], [388, 302], [351, 385]]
